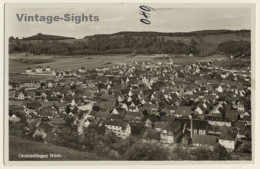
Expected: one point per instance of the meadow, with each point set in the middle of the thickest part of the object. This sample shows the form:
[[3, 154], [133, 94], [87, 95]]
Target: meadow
[[19, 145], [19, 62]]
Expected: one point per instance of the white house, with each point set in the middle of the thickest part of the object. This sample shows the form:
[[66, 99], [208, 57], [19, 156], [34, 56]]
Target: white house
[[82, 70], [171, 133], [220, 89], [228, 140], [38, 69], [14, 118], [48, 69], [240, 107], [20, 96], [121, 129], [28, 70]]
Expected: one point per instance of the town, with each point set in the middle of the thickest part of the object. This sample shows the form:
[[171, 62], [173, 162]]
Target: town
[[194, 105]]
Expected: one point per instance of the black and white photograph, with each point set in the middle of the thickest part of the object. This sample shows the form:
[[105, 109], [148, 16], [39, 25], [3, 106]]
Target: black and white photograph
[[129, 82]]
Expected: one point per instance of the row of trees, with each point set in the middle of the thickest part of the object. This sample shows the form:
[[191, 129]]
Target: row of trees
[[176, 34], [107, 145], [239, 48], [119, 45], [110, 146]]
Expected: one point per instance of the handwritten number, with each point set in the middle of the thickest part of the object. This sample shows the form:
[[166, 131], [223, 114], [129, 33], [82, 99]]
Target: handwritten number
[[145, 12], [146, 15], [146, 8], [145, 21]]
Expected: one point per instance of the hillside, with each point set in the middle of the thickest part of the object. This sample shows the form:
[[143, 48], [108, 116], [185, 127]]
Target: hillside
[[40, 36], [174, 34], [199, 43], [19, 145]]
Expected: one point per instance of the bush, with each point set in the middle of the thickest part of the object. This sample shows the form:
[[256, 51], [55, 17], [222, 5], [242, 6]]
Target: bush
[[220, 153], [202, 154], [180, 153], [246, 147], [151, 134], [147, 151]]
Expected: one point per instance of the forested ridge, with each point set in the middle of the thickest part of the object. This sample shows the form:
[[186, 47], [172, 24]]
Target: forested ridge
[[129, 43]]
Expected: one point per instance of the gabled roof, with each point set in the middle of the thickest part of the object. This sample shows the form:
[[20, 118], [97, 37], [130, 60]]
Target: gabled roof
[[117, 123], [232, 115], [171, 128], [133, 114], [168, 119], [197, 124], [184, 110], [204, 139], [57, 121], [102, 114], [228, 136], [159, 125], [223, 119], [61, 104], [116, 116]]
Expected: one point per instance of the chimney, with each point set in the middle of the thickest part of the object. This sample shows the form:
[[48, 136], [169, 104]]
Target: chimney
[[191, 126], [184, 128]]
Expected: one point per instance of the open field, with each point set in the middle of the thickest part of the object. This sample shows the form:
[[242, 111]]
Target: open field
[[19, 145], [26, 78], [90, 62], [237, 62]]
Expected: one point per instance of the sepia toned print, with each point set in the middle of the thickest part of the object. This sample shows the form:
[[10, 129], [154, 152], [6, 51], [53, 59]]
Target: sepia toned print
[[129, 82]]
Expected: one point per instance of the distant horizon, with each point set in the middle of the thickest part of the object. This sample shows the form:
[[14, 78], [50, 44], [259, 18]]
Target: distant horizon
[[126, 17], [131, 31]]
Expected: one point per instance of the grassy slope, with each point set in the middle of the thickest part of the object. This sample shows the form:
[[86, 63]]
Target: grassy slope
[[23, 146]]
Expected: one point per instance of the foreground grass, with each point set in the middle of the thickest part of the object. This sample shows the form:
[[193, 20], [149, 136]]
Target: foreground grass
[[19, 145]]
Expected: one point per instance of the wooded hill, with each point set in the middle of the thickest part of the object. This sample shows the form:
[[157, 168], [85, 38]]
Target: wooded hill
[[199, 43]]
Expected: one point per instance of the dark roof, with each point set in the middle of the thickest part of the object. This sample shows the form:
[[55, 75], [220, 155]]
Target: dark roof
[[171, 128], [184, 110], [197, 124], [159, 125], [232, 115], [211, 118], [116, 116], [247, 118], [240, 125], [204, 139], [102, 114], [228, 136], [117, 123], [167, 118], [134, 114], [57, 121]]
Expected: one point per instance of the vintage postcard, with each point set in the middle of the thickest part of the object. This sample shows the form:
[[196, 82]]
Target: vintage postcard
[[129, 83]]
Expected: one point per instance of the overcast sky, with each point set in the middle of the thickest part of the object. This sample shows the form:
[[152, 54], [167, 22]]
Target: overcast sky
[[125, 17]]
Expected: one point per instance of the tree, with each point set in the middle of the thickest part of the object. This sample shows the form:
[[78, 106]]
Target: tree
[[151, 134], [193, 42], [11, 38], [220, 153], [136, 128], [202, 153], [68, 136], [246, 147], [180, 153], [147, 151]]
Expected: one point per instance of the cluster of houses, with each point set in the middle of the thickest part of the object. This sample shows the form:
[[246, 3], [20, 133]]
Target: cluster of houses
[[191, 104], [40, 70]]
